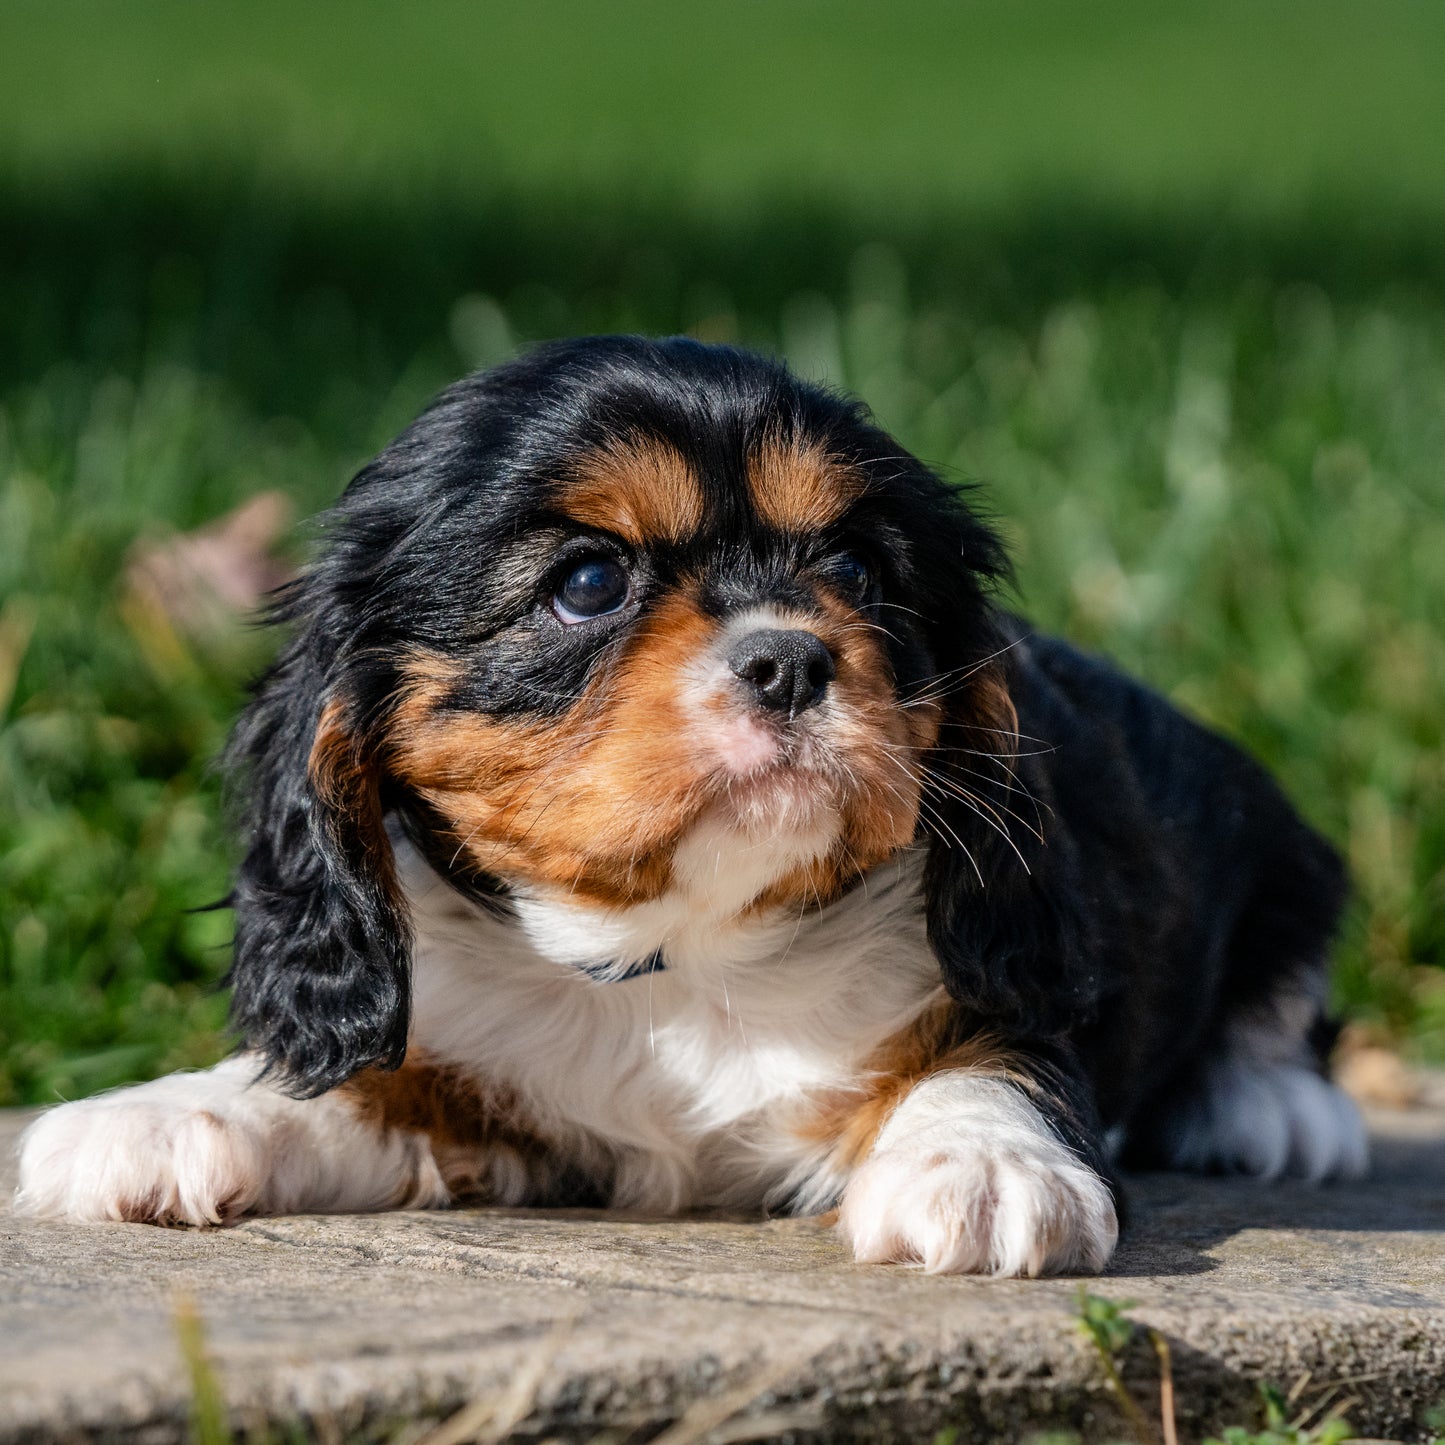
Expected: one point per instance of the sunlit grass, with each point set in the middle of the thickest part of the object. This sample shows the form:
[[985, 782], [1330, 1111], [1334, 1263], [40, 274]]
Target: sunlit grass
[[1171, 288], [919, 104], [1239, 495]]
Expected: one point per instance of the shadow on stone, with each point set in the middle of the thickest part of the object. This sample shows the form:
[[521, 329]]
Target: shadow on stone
[[1177, 1223]]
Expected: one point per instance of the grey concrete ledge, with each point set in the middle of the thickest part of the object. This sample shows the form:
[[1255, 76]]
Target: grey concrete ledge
[[607, 1327]]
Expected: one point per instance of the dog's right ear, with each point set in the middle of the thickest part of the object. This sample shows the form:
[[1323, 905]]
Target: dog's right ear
[[321, 981], [1004, 882]]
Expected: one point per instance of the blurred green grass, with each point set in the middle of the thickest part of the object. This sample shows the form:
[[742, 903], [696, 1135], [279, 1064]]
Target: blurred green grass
[[1169, 281], [921, 103]]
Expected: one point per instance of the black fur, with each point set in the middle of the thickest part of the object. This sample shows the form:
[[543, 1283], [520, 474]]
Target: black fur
[[1107, 904], [1159, 887], [321, 972]]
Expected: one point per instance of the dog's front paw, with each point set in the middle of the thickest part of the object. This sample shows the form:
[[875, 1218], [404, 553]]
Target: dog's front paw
[[143, 1155], [970, 1198]]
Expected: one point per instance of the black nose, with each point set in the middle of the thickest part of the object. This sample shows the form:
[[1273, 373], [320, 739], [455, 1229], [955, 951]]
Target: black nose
[[788, 671]]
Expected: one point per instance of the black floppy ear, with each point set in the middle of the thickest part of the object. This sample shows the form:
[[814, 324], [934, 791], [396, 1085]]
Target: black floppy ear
[[321, 982], [1002, 880]]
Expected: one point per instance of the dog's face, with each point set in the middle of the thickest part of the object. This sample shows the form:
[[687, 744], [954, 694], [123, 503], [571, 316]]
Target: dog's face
[[662, 643], [666, 645], [618, 616]]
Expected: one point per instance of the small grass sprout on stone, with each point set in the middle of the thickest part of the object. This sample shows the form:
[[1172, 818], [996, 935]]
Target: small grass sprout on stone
[[1106, 1326], [1109, 1330], [1280, 1429]]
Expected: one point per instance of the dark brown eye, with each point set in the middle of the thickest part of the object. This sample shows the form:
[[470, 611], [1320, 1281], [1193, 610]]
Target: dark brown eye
[[592, 589], [852, 575]]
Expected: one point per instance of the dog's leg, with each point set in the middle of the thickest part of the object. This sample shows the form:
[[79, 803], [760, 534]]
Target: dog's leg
[[984, 1171], [1255, 1096], [1260, 1101], [206, 1148]]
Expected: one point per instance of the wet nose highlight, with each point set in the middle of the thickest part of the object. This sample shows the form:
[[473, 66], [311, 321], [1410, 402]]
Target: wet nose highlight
[[788, 669]]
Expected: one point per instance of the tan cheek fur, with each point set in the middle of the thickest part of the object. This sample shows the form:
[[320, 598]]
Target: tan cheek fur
[[881, 746], [592, 802], [801, 489], [988, 710]]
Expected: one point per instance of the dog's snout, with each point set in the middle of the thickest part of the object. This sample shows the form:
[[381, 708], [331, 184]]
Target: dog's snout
[[788, 670]]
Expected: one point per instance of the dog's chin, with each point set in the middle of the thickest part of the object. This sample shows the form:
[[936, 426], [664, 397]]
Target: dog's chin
[[770, 781], [785, 797]]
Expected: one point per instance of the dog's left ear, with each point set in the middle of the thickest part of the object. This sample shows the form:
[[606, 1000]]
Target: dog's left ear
[[1000, 882]]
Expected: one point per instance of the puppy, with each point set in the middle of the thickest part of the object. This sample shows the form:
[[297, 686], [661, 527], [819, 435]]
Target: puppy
[[653, 807]]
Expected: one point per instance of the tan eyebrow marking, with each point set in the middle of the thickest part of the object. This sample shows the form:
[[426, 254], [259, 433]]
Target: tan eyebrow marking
[[640, 488], [800, 487]]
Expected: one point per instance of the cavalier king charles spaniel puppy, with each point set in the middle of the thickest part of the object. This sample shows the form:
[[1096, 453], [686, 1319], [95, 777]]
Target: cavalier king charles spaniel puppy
[[653, 807]]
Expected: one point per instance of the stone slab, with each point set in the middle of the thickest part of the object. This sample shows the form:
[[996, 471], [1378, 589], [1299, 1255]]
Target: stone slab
[[581, 1325]]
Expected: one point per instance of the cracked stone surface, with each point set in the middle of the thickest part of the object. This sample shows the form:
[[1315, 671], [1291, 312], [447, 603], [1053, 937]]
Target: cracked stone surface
[[590, 1326]]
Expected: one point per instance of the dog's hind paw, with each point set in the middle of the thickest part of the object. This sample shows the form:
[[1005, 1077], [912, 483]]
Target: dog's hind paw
[[1267, 1120]]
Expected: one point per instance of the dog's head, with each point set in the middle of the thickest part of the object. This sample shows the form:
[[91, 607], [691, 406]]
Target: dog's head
[[605, 620]]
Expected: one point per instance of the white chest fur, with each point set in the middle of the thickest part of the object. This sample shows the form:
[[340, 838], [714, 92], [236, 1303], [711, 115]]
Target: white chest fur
[[688, 1078]]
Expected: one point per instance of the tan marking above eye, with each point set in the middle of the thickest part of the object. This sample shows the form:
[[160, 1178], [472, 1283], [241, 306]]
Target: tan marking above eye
[[800, 487], [639, 488]]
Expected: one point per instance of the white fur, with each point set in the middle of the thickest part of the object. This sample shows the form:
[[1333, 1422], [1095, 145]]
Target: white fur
[[967, 1177], [690, 1077], [718, 869], [687, 1086], [693, 1085], [1260, 1107], [778, 781], [207, 1147]]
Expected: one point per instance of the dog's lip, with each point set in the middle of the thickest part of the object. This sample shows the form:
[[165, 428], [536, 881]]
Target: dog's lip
[[758, 763], [745, 745], [784, 775]]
